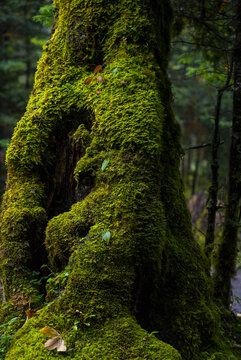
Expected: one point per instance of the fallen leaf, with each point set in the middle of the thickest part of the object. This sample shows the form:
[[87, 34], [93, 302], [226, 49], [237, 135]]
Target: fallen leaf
[[98, 69], [56, 343], [100, 79], [122, 82], [98, 92], [62, 346], [53, 343], [49, 332], [88, 80]]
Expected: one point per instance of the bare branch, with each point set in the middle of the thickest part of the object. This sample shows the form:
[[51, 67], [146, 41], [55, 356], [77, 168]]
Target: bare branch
[[202, 145]]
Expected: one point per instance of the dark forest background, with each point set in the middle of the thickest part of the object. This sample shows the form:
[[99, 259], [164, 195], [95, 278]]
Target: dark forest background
[[22, 36]]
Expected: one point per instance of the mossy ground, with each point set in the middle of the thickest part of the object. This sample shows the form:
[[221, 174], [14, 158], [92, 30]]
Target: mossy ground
[[118, 338], [149, 270]]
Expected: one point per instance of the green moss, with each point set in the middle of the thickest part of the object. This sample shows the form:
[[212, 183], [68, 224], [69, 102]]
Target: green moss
[[150, 271], [119, 338]]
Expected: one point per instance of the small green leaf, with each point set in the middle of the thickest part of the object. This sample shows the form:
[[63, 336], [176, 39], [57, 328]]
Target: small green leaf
[[75, 327], [104, 164], [115, 71], [12, 321], [106, 237]]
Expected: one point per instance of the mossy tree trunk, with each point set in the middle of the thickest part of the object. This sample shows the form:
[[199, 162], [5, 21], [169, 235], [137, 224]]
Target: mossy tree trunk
[[124, 234]]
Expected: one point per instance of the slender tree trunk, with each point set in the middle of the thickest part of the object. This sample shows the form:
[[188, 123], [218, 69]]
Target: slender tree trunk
[[133, 266], [195, 174], [27, 46], [213, 189], [203, 10], [188, 168], [228, 248], [28, 63]]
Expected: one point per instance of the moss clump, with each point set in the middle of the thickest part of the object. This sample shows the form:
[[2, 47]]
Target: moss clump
[[148, 271], [119, 338]]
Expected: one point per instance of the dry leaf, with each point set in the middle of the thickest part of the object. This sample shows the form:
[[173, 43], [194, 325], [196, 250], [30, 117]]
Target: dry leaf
[[55, 343], [20, 300], [122, 82], [88, 80], [62, 346], [98, 69], [98, 92], [49, 332], [100, 79]]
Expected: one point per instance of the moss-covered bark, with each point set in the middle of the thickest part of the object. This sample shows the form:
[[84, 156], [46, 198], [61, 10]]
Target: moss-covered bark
[[126, 239]]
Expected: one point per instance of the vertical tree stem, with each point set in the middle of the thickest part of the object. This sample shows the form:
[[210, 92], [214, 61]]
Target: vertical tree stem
[[228, 248], [213, 189]]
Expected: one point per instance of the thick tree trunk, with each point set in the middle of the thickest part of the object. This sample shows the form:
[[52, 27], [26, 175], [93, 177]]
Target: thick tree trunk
[[228, 248], [126, 240]]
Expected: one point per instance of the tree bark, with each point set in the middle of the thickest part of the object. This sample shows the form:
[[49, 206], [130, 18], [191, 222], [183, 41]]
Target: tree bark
[[133, 266]]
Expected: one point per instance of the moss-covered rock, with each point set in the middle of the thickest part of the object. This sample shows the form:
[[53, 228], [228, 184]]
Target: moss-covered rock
[[127, 242]]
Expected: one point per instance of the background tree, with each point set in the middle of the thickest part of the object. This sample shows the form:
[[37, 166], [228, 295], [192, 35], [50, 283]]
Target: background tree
[[215, 30], [20, 48], [195, 83], [228, 248], [124, 234]]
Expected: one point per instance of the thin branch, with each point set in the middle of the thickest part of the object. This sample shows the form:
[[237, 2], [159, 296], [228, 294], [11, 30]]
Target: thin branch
[[209, 27], [198, 229], [201, 44], [202, 145]]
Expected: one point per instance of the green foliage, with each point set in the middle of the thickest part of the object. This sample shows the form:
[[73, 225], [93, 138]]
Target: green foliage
[[217, 355], [56, 284], [45, 15], [38, 42], [195, 82], [4, 143], [210, 72], [5, 339], [9, 325]]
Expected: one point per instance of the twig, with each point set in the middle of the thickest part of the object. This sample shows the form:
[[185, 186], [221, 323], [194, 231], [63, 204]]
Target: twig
[[198, 229], [202, 145]]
